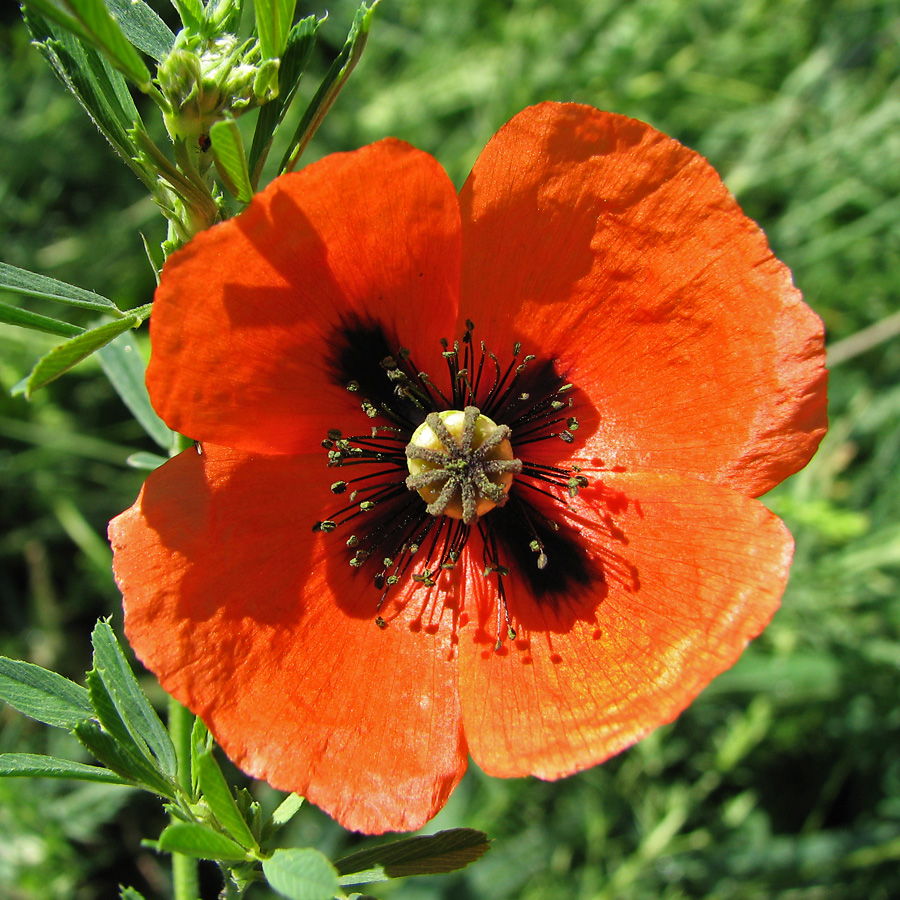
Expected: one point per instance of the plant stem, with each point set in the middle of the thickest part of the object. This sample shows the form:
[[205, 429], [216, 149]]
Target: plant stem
[[185, 879]]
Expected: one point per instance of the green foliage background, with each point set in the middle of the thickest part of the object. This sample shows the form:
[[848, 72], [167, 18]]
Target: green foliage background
[[783, 780]]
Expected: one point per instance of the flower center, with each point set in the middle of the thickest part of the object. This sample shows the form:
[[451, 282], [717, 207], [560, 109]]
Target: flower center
[[461, 463]]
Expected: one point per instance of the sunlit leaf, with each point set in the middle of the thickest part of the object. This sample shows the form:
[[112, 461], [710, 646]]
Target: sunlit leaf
[[200, 842], [42, 694], [220, 800], [12, 315], [301, 874], [33, 765], [30, 284], [231, 161]]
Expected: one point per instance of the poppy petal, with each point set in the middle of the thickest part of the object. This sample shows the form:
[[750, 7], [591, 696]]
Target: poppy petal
[[232, 600], [686, 573], [247, 315], [618, 251]]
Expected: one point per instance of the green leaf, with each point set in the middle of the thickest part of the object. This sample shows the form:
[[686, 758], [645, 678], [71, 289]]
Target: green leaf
[[21, 281], [36, 766], [430, 854], [91, 20], [42, 694], [287, 809], [219, 798], [299, 47], [122, 760], [12, 315], [148, 462], [231, 161], [191, 13], [143, 27], [129, 893], [335, 78], [273, 22], [124, 366], [200, 842], [131, 704], [62, 358], [301, 874]]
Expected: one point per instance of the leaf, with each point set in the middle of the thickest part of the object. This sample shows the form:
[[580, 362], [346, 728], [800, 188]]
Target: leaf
[[231, 161], [299, 47], [99, 88], [335, 78], [12, 315], [129, 893], [301, 874], [90, 19], [122, 760], [124, 366], [287, 809], [36, 766], [273, 22], [143, 27], [42, 694], [191, 13], [219, 798], [21, 281], [63, 357], [200, 842], [430, 854], [148, 462], [131, 704]]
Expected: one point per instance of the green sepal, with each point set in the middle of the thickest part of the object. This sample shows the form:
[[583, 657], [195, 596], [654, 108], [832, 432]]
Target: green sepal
[[273, 22], [131, 705], [33, 765], [65, 356], [431, 854], [92, 21], [13, 315], [215, 791], [199, 842], [335, 78], [122, 760], [231, 161], [124, 366], [303, 874], [300, 42], [143, 27], [30, 284], [43, 695]]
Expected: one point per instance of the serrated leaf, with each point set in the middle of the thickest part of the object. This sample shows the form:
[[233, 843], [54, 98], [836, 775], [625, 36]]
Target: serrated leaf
[[34, 765], [220, 800], [122, 760], [200, 842], [30, 284], [300, 42], [143, 27], [124, 366], [91, 20], [273, 22], [63, 357], [430, 854], [231, 161], [12, 315], [129, 893], [131, 704], [301, 874], [335, 78], [42, 694]]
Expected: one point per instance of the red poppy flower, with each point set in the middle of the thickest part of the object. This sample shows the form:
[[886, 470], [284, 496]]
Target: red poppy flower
[[356, 587]]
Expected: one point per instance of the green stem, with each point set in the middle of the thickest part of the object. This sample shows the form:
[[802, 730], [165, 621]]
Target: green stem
[[185, 878]]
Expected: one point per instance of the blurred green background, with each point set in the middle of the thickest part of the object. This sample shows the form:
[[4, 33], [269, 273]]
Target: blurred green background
[[783, 779]]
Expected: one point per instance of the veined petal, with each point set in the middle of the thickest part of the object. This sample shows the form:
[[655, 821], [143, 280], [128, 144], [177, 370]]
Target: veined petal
[[687, 573], [231, 599], [246, 316], [595, 239]]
